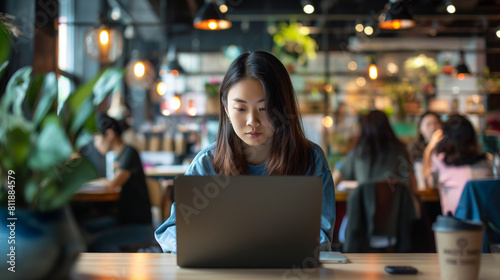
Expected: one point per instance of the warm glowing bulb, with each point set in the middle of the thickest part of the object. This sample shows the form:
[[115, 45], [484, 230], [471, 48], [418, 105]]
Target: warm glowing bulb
[[175, 103], [223, 9], [361, 82], [451, 9], [368, 30], [174, 73], [392, 68], [328, 88], [308, 9], [165, 112], [192, 111], [498, 33], [352, 65], [396, 24], [461, 76], [139, 69], [104, 37], [327, 121], [161, 88], [359, 27], [212, 24], [372, 71]]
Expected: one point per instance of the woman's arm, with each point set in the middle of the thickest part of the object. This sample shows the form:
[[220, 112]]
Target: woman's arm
[[429, 149]]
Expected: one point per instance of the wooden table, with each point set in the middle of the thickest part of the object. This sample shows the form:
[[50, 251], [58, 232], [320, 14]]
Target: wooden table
[[165, 171], [428, 195], [361, 266], [96, 192]]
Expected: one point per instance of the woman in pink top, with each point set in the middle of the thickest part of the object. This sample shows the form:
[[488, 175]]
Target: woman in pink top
[[453, 157]]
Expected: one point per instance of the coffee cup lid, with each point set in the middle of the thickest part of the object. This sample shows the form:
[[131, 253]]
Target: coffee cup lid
[[450, 223]]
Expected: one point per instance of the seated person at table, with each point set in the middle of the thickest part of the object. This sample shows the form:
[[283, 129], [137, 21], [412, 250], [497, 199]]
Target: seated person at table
[[429, 122], [260, 133], [377, 156], [454, 157], [133, 206]]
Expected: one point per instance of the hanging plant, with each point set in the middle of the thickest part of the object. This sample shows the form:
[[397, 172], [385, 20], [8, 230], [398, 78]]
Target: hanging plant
[[292, 43]]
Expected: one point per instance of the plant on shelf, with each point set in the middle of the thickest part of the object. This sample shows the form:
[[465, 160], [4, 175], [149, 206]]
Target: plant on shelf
[[488, 83], [212, 91], [400, 92], [292, 43], [40, 169]]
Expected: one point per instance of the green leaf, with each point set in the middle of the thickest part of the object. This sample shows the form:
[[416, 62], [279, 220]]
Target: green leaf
[[30, 191], [52, 145], [3, 66], [16, 90], [17, 146], [80, 95], [83, 139], [48, 97], [68, 179], [106, 83], [82, 115], [33, 92], [4, 48]]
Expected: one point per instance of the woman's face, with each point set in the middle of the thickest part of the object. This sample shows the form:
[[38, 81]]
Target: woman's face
[[428, 125], [246, 109]]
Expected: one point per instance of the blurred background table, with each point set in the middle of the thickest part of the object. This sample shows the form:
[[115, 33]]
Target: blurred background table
[[96, 191]]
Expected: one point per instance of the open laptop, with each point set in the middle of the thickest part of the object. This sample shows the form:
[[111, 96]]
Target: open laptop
[[248, 221]]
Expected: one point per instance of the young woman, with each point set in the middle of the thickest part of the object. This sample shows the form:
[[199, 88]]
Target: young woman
[[378, 155], [454, 157], [429, 122], [260, 133]]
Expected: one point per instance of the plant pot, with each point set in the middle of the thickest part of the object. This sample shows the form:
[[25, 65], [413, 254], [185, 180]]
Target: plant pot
[[46, 244], [212, 106]]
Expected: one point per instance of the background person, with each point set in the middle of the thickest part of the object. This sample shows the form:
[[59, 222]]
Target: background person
[[377, 156], [453, 157], [429, 122]]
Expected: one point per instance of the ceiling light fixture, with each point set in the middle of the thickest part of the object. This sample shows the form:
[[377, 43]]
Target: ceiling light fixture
[[462, 69], [103, 43], [450, 8], [307, 6], [210, 18], [396, 16]]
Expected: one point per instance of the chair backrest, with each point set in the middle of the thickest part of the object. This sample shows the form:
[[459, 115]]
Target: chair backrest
[[386, 208], [155, 198], [479, 202], [382, 209]]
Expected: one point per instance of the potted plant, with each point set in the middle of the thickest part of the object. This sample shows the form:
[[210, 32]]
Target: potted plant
[[40, 168], [292, 44], [212, 91]]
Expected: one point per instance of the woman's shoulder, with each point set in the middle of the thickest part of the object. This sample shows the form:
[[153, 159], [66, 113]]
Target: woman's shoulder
[[316, 149], [202, 162]]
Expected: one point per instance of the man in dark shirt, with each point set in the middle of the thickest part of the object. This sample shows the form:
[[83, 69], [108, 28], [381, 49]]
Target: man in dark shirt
[[134, 206]]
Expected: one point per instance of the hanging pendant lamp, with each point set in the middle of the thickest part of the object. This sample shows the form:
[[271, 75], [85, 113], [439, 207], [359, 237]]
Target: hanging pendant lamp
[[396, 16], [210, 18]]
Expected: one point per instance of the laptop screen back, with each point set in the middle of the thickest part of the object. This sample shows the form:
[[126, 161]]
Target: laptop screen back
[[248, 221]]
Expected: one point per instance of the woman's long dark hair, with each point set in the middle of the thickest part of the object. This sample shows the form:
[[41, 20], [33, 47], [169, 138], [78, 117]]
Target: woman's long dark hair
[[377, 136], [459, 143], [291, 152]]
